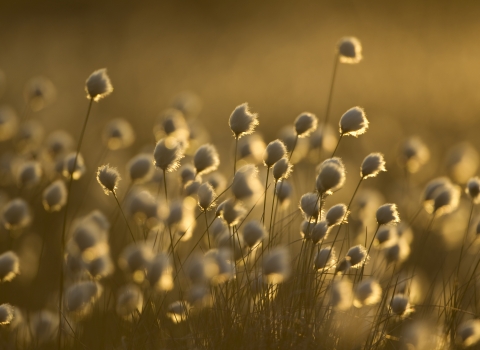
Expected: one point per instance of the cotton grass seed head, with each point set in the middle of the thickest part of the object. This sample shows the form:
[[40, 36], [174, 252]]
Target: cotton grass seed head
[[284, 192], [372, 165], [135, 260], [337, 215], [98, 85], [387, 214], [231, 211], [353, 122], [108, 177], [206, 195], [325, 259], [129, 301], [16, 214], [349, 50], [206, 159], [242, 121], [167, 154], [343, 265], [309, 205], [397, 252], [319, 231], [368, 292], [118, 134], [234, 245], [305, 124], [446, 199], [246, 185], [400, 305], [59, 142], [140, 168], [143, 207], [8, 123], [73, 166], [341, 297], [253, 232], [43, 325], [462, 162], [159, 273], [282, 169], [39, 92], [251, 149], [178, 311], [276, 265], [358, 256], [473, 189], [54, 196], [469, 332], [218, 266], [6, 314], [29, 174], [275, 151], [413, 154], [79, 298], [331, 176], [9, 266]]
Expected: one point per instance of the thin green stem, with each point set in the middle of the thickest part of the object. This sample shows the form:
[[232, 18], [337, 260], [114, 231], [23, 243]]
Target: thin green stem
[[336, 147], [265, 198]]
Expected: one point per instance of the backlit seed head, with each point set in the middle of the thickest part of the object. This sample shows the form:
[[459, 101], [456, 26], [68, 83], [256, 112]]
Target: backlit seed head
[[274, 151], [325, 259], [59, 142], [387, 214], [349, 50], [43, 325], [242, 121], [305, 124], [253, 232], [462, 162], [306, 228], [473, 189], [70, 168], [182, 217], [9, 266], [143, 207], [167, 154], [284, 191], [386, 235], [413, 154], [324, 137], [129, 301], [6, 314], [246, 185], [358, 256], [172, 123], [218, 267], [218, 227], [231, 211], [398, 252], [206, 196], [39, 92], [199, 296], [276, 265], [55, 196], [446, 199], [206, 159], [309, 205], [188, 102], [343, 265], [191, 187], [29, 174], [16, 214], [233, 244], [331, 176], [372, 165], [79, 298], [337, 215], [98, 85], [195, 269], [400, 305], [282, 169], [135, 260], [187, 173], [251, 148], [140, 168], [319, 231], [353, 122], [118, 134], [30, 136], [100, 267], [159, 273], [218, 181], [88, 240], [178, 311], [368, 292], [108, 177], [8, 123], [341, 295], [469, 332]]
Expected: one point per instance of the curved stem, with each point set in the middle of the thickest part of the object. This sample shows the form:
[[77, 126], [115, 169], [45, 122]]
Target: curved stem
[[336, 147], [293, 149], [124, 217], [330, 92]]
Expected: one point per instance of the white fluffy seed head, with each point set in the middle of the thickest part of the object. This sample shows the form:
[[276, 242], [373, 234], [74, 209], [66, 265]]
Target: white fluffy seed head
[[387, 214], [6, 314], [358, 256], [397, 252], [242, 121], [413, 154], [218, 181], [172, 123], [9, 266], [276, 266], [79, 298], [337, 215], [118, 134], [341, 295], [386, 235], [446, 199], [143, 207], [353, 122], [8, 123], [343, 265], [274, 151], [231, 211], [72, 169], [108, 177], [282, 169], [16, 214], [462, 162], [206, 159], [59, 142], [235, 246], [246, 185], [319, 231], [218, 266], [309, 205], [43, 325], [39, 92], [100, 267], [140, 168], [372, 165], [331, 176], [473, 189], [167, 154], [305, 124], [135, 259], [54, 197], [325, 259], [469, 332], [206, 195], [251, 148], [284, 191], [98, 85], [400, 305], [253, 232], [30, 136], [368, 292], [29, 174], [178, 311], [187, 173], [349, 50], [159, 273], [129, 301], [431, 190]]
